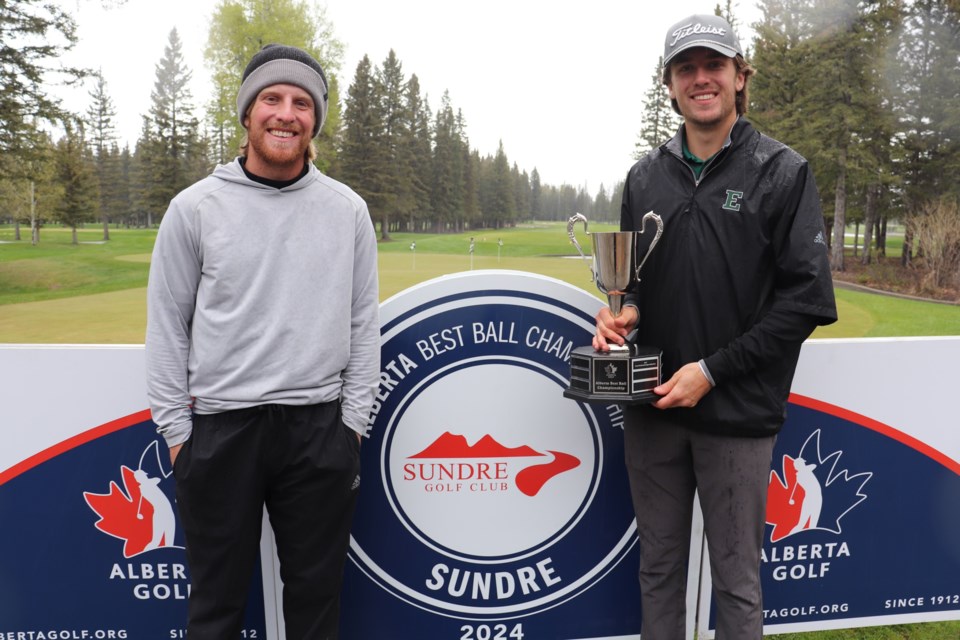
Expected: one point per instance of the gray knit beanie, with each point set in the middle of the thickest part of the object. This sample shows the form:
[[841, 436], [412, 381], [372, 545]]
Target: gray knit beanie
[[280, 64]]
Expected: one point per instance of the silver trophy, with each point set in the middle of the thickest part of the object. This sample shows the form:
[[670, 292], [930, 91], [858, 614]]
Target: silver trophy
[[627, 374]]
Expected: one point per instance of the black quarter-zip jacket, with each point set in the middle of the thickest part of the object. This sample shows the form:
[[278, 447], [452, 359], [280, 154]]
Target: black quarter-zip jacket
[[740, 278]]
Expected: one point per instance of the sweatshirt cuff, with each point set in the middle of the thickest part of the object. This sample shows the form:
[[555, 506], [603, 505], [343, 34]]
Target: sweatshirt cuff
[[177, 434], [706, 372]]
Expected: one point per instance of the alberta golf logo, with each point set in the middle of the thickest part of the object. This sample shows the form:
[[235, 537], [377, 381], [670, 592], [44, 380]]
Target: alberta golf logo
[[502, 492], [140, 516], [811, 492]]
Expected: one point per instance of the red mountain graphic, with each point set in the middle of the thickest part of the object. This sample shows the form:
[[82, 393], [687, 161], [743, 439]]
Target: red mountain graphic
[[455, 446]]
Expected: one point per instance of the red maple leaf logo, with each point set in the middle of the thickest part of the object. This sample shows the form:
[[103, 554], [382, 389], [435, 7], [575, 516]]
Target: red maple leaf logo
[[126, 516], [814, 493], [783, 500]]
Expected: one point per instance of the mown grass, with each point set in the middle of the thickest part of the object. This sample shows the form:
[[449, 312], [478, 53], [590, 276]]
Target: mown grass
[[924, 631], [94, 292], [56, 268]]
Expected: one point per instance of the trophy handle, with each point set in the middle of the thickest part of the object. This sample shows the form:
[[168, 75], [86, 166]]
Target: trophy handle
[[571, 223], [650, 215]]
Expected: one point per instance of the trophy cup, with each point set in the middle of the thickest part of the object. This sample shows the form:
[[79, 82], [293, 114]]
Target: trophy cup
[[626, 374]]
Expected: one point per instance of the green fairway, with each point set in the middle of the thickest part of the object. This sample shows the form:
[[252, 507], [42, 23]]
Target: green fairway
[[95, 292]]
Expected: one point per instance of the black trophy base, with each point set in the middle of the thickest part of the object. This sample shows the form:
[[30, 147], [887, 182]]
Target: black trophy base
[[626, 376]]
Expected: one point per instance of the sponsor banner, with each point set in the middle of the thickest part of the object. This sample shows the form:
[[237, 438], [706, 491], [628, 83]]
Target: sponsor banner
[[91, 543], [490, 506], [865, 479]]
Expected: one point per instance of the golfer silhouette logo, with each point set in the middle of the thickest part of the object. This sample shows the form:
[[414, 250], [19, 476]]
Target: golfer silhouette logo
[[813, 493], [140, 514], [812, 501]]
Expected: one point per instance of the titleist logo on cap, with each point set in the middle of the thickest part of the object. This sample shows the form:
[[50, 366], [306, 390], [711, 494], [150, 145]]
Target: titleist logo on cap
[[693, 29]]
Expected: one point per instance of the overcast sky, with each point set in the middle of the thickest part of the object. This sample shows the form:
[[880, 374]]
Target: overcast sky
[[561, 83]]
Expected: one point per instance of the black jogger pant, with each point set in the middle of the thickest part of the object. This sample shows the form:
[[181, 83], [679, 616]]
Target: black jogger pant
[[303, 464]]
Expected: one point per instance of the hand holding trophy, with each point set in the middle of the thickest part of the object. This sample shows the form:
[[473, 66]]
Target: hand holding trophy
[[626, 374]]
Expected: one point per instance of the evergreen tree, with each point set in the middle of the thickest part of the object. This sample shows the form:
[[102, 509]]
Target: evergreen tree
[[726, 12], [857, 36], [361, 161], [471, 186], [173, 155], [118, 201], [568, 202], [447, 186], [776, 91], [536, 195], [601, 205], [470, 170], [502, 204], [419, 151], [522, 182], [76, 173], [397, 177], [817, 92], [927, 82], [29, 197], [33, 37], [100, 118], [149, 196], [659, 120]]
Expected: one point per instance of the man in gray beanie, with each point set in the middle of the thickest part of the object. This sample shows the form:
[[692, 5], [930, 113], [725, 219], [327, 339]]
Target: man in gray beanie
[[263, 357], [739, 280]]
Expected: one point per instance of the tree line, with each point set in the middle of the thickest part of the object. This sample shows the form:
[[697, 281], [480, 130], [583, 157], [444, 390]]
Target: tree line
[[866, 90], [416, 169], [869, 92]]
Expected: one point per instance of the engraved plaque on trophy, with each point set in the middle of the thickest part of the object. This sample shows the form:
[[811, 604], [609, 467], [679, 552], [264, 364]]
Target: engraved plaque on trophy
[[626, 374]]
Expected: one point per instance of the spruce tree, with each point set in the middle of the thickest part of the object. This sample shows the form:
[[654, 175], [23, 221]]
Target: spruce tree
[[447, 187], [816, 91], [173, 155], [33, 37], [536, 195], [659, 120], [469, 174], [502, 205], [396, 177], [419, 151], [927, 82], [361, 160], [76, 173], [100, 118]]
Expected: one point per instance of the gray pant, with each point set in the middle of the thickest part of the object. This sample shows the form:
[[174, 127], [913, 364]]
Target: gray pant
[[666, 464]]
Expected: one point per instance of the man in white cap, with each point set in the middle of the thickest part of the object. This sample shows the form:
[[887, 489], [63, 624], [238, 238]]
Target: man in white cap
[[263, 357], [738, 281]]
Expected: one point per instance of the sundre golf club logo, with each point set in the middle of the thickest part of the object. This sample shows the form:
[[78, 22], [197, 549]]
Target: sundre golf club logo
[[451, 465], [488, 496]]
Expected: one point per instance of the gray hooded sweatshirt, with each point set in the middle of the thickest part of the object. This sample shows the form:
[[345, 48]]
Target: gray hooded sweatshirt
[[260, 295]]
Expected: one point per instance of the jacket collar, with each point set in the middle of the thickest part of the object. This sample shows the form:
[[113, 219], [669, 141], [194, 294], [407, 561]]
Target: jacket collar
[[741, 128]]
